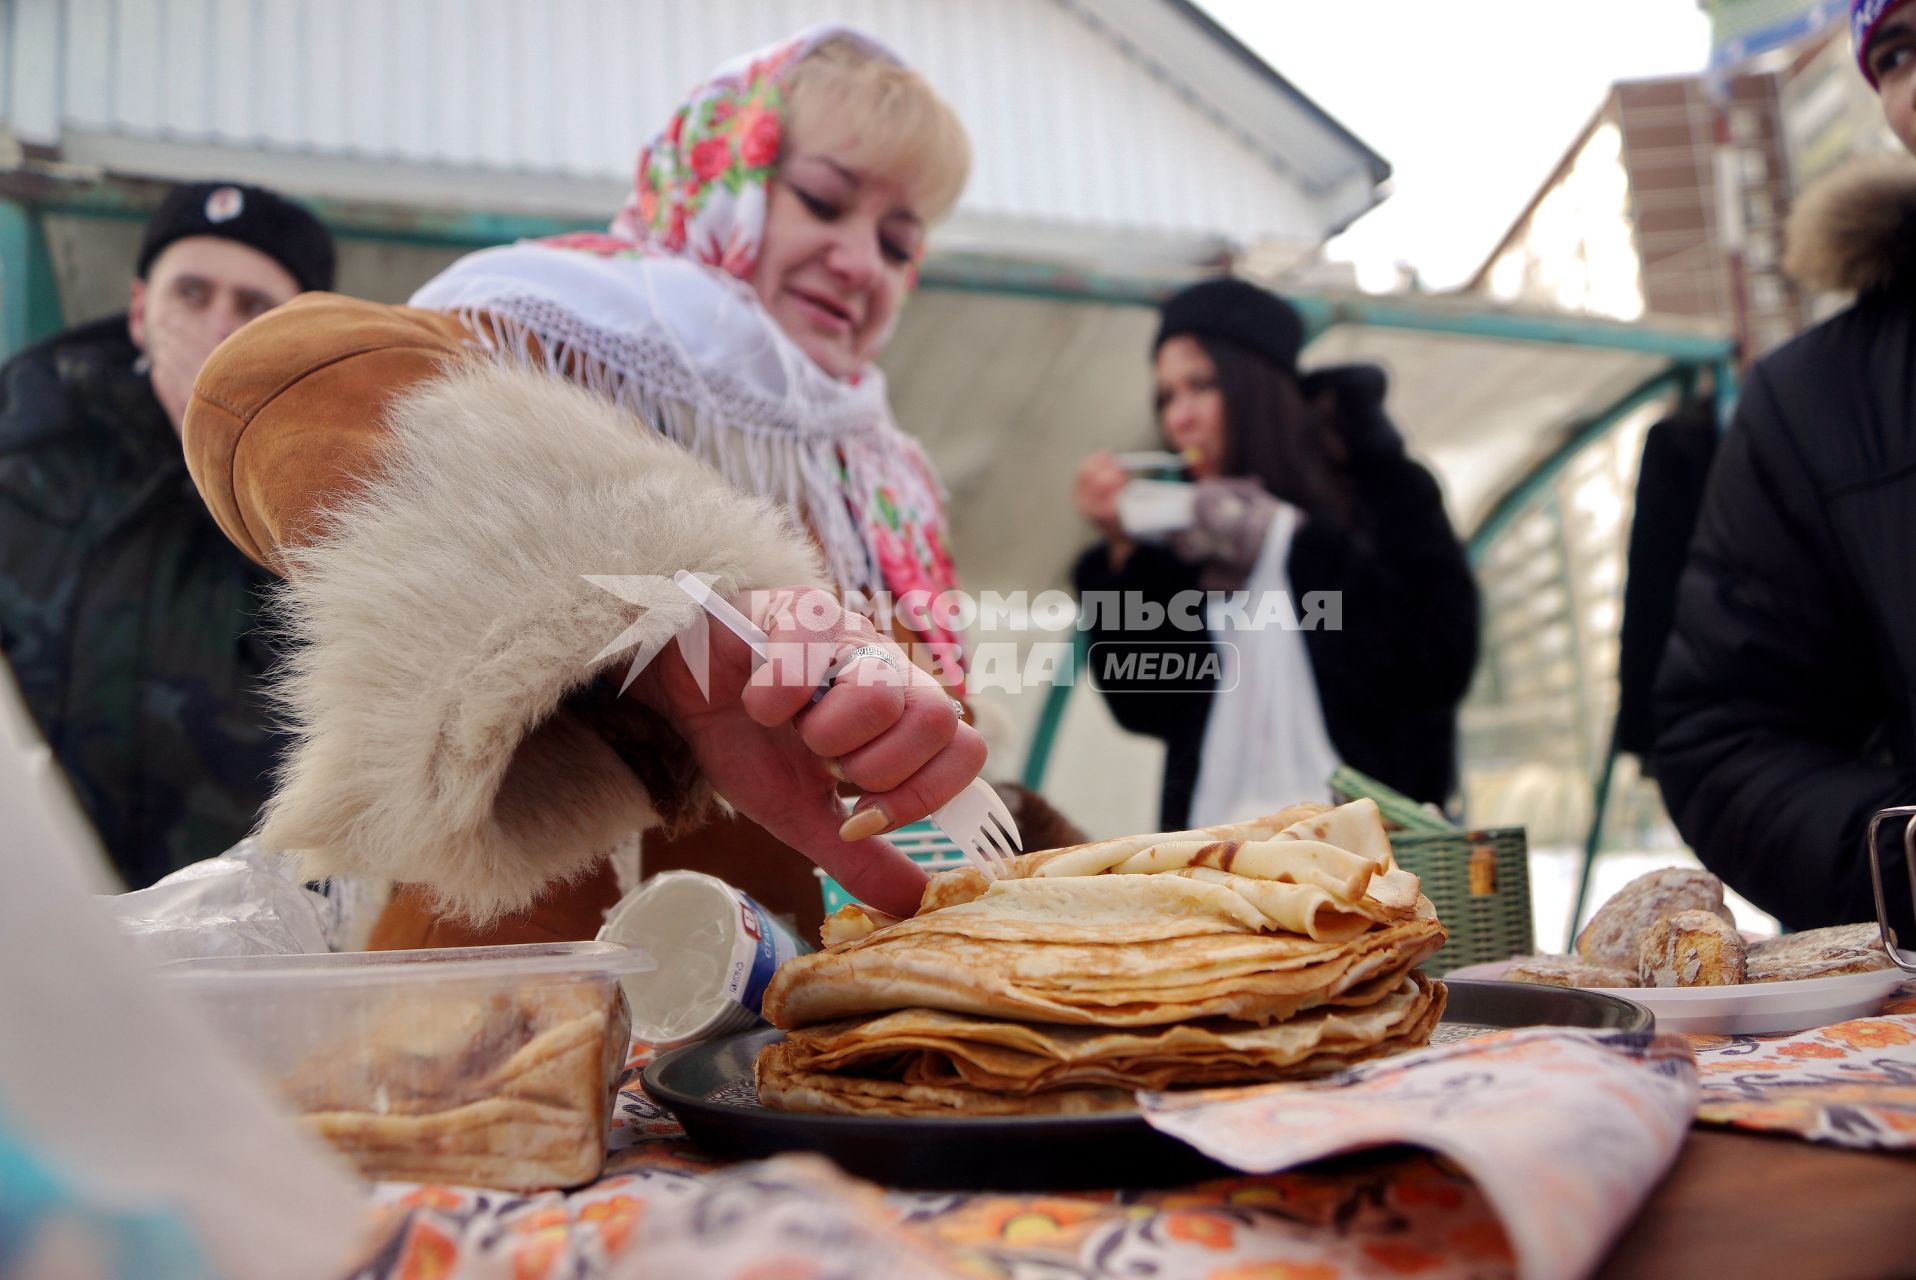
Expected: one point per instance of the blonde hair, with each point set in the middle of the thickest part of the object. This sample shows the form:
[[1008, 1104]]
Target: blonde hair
[[880, 118]]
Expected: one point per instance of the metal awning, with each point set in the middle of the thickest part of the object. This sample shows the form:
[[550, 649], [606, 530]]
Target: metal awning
[[1012, 375], [1496, 398], [1011, 372]]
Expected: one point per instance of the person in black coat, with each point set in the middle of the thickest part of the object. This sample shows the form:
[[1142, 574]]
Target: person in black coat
[[1786, 703], [131, 625], [1395, 655], [1671, 477]]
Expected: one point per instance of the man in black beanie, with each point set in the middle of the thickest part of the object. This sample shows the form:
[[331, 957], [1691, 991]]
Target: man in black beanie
[[130, 622], [214, 256]]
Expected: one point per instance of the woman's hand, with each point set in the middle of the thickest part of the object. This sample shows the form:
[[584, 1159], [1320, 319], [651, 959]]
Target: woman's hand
[[1096, 495], [1096, 492], [884, 726]]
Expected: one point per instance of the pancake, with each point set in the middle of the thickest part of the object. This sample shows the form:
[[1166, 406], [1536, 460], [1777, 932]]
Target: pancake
[[922, 1062], [961, 884], [1032, 966], [1275, 949]]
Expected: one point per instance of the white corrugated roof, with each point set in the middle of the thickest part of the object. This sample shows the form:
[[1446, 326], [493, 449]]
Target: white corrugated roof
[[1132, 118]]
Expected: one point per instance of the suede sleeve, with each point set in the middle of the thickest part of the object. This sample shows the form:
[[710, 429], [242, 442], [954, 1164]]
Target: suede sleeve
[[290, 411]]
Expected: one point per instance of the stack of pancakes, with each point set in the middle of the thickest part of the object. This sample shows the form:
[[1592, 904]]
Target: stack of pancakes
[[477, 1087], [1268, 950]]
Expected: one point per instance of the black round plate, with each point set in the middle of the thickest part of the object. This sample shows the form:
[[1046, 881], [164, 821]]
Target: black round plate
[[708, 1088], [1504, 1006]]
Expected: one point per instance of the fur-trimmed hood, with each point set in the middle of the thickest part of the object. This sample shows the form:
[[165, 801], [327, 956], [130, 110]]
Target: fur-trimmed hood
[[1855, 230]]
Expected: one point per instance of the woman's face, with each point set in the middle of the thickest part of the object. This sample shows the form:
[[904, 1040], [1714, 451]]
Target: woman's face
[[1191, 406], [838, 258]]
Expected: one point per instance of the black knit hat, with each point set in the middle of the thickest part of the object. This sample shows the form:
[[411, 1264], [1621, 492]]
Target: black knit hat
[[1237, 312], [253, 216]]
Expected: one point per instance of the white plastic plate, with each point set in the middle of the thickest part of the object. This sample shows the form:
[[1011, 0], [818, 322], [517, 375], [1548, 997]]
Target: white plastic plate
[[1754, 1008]]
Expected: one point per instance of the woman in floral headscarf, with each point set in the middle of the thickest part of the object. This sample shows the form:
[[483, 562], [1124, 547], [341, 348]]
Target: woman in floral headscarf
[[434, 512], [772, 235]]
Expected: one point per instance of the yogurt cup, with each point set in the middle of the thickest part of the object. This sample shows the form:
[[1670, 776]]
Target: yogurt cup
[[1156, 508], [715, 949]]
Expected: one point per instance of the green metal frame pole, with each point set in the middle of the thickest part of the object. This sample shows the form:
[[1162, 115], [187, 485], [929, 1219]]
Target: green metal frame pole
[[1045, 736], [29, 293], [1525, 491], [1506, 326], [1673, 380], [1723, 374], [1593, 839]]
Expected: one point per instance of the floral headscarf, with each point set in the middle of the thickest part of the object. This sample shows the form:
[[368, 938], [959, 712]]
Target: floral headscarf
[[658, 312], [699, 189]]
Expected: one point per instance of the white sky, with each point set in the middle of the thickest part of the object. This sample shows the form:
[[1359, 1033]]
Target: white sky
[[1473, 102]]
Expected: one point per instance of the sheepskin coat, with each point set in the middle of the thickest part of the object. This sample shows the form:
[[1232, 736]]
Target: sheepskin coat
[[1786, 702], [435, 517]]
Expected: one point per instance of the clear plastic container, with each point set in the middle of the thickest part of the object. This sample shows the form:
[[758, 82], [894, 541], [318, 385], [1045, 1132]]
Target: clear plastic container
[[480, 1066]]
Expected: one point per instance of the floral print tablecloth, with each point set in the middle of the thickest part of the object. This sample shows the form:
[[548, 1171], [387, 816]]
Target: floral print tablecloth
[[1563, 1132], [1852, 1084]]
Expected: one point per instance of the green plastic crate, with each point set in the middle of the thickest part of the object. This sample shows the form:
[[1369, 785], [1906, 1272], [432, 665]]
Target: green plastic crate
[[1487, 914]]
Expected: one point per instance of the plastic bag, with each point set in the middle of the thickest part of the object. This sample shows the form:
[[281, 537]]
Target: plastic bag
[[242, 903]]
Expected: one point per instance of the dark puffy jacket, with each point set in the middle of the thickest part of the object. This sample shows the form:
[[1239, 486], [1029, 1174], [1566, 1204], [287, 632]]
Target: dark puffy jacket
[[128, 619], [1390, 679], [1786, 703]]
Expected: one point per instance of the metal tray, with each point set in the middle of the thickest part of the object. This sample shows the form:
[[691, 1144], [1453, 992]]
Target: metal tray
[[708, 1088]]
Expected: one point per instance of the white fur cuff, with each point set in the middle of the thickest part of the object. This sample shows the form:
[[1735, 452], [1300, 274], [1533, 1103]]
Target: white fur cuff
[[443, 620]]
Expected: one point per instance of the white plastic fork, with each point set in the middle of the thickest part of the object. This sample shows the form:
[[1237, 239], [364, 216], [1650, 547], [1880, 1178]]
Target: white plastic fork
[[976, 819], [978, 822]]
